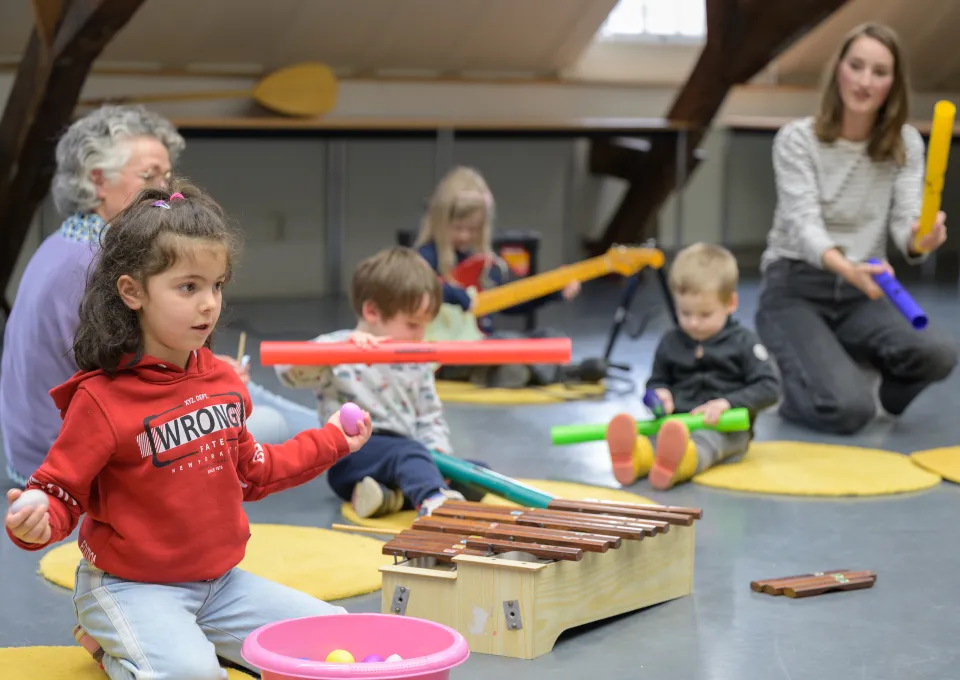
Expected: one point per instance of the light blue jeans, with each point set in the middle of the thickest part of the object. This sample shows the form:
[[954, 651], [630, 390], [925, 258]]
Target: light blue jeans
[[276, 419], [177, 631]]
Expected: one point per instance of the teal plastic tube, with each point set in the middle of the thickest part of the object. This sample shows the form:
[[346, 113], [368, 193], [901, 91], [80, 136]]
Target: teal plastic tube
[[734, 420], [501, 485]]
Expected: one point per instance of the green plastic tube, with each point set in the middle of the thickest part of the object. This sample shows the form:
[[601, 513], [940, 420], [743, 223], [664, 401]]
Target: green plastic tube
[[501, 485], [734, 420]]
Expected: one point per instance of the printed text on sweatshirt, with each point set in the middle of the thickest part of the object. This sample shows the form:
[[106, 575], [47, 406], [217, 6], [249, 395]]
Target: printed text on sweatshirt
[[160, 460]]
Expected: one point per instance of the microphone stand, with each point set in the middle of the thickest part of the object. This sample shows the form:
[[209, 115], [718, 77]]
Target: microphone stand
[[594, 370]]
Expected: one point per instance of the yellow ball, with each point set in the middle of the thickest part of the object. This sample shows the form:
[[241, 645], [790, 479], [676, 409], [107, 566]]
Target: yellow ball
[[339, 656]]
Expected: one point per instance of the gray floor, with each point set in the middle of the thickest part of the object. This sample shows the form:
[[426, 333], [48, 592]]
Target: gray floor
[[904, 627]]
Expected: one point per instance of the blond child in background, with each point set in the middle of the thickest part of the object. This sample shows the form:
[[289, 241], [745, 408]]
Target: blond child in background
[[459, 223], [708, 365], [395, 295]]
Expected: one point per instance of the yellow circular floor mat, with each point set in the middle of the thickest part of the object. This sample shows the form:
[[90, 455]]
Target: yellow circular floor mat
[[61, 663], [453, 391], [944, 462], [809, 469], [329, 565], [566, 490]]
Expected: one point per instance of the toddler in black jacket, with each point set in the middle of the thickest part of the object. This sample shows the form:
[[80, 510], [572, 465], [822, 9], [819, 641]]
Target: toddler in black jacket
[[708, 365]]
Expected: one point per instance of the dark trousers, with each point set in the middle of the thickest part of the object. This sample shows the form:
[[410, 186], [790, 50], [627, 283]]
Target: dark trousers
[[394, 461], [818, 328]]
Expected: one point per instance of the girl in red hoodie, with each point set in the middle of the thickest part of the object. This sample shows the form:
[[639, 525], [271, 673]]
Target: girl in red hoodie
[[155, 452]]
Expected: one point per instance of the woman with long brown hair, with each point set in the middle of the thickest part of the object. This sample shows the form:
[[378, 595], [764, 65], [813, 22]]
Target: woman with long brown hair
[[848, 179]]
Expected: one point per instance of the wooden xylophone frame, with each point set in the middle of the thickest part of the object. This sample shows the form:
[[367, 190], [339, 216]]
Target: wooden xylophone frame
[[512, 579]]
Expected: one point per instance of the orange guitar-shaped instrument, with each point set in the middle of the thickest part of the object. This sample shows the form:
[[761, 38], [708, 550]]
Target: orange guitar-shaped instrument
[[454, 323]]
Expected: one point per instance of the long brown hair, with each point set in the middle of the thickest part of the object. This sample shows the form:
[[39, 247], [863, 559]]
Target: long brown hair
[[886, 139], [143, 240]]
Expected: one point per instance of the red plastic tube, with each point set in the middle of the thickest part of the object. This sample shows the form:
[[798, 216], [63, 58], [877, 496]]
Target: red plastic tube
[[469, 352]]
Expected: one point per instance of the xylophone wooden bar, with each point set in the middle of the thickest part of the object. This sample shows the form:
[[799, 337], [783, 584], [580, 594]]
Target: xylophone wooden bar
[[811, 588], [611, 517], [412, 539], [775, 586], [571, 521], [608, 506], [511, 579], [586, 508], [817, 583], [576, 539]]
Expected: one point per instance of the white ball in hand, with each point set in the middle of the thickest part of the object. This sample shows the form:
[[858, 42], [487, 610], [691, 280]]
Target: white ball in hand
[[31, 497]]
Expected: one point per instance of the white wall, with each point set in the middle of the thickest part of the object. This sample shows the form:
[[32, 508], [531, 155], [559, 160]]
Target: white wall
[[276, 187]]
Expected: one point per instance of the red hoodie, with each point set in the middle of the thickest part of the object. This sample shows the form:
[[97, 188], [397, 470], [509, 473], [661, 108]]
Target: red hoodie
[[160, 460]]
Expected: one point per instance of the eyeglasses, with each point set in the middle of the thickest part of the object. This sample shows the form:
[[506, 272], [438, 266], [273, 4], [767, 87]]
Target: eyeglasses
[[152, 176]]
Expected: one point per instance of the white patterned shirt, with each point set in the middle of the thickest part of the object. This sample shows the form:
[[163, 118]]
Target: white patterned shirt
[[401, 398], [835, 196]]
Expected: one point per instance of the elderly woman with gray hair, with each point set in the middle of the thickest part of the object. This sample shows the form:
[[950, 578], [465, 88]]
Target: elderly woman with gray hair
[[103, 160]]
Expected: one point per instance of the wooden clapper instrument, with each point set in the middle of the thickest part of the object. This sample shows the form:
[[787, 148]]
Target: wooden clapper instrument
[[455, 323]]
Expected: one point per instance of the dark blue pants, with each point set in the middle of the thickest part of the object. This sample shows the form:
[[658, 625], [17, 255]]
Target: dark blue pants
[[394, 461]]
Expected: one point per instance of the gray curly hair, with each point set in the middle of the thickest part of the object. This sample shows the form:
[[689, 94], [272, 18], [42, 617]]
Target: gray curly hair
[[96, 142]]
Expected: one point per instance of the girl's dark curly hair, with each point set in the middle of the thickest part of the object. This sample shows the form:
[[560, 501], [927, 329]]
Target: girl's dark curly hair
[[142, 241]]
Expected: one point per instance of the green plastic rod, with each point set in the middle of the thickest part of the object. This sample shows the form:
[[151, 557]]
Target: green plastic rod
[[734, 420], [488, 480]]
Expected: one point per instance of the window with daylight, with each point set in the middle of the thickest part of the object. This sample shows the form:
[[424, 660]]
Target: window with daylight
[[681, 20]]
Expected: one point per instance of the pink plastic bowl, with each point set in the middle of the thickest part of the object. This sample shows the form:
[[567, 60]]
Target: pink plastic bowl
[[429, 649]]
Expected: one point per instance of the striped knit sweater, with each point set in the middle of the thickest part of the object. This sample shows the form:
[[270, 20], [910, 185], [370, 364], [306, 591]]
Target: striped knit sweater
[[835, 196]]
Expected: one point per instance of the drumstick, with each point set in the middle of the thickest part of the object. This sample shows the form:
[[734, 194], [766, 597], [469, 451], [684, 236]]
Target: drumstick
[[242, 346], [386, 531], [242, 358]]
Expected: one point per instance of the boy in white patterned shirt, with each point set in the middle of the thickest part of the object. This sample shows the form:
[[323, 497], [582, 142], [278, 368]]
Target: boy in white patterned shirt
[[395, 294]]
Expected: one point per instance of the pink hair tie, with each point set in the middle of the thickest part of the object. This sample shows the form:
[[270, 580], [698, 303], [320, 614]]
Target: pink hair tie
[[175, 196]]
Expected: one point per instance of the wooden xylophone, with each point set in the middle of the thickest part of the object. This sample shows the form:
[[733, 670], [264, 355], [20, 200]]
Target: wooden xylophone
[[512, 579], [817, 583]]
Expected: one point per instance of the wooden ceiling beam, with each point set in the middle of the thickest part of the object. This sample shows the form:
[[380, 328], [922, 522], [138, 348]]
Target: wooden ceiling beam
[[743, 36], [41, 104], [46, 16]]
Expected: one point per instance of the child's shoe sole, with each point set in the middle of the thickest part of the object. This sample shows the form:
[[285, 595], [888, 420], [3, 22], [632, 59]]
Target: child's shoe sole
[[621, 439], [84, 639], [672, 440]]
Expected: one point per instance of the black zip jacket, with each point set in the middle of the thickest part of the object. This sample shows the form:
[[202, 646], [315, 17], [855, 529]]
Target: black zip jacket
[[732, 365]]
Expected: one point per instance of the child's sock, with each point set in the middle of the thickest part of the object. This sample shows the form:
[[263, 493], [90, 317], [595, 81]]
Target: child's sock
[[676, 459], [84, 639], [372, 499], [433, 502], [630, 454]]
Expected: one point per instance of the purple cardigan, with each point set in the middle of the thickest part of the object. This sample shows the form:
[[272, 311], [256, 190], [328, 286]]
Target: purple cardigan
[[38, 342]]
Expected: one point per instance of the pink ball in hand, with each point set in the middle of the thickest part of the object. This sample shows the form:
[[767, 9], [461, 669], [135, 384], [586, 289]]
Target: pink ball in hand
[[29, 498], [350, 417]]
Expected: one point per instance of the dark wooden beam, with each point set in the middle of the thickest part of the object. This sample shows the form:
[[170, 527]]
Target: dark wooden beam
[[40, 106], [743, 36], [618, 157], [46, 16]]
